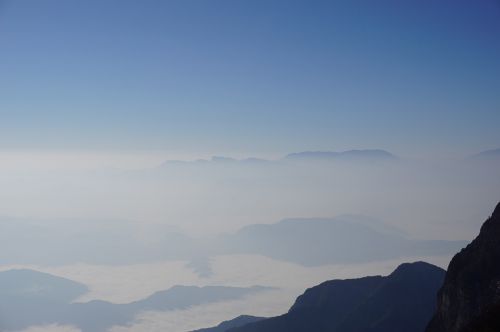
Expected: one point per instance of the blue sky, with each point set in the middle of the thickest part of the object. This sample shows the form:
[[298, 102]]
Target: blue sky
[[260, 76]]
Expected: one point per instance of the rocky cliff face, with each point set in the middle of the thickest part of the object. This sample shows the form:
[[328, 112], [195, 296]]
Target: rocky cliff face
[[469, 300]]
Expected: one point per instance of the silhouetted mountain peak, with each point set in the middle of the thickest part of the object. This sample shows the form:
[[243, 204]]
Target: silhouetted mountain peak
[[496, 212], [414, 269], [490, 228], [402, 301]]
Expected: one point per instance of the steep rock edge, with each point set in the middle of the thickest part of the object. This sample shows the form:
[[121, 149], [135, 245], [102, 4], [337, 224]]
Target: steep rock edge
[[469, 300]]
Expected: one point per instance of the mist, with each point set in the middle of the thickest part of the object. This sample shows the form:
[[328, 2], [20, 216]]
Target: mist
[[197, 198], [132, 227]]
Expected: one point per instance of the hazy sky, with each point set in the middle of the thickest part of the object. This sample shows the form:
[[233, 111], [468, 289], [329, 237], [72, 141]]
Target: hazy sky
[[96, 94], [260, 76]]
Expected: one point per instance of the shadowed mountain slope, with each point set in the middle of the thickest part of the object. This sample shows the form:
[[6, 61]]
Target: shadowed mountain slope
[[402, 301], [469, 300]]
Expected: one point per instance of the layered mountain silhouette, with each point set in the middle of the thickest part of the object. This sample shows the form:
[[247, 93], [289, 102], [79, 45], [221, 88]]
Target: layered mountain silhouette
[[405, 300], [469, 300], [97, 316], [349, 155], [402, 301], [361, 155], [316, 241], [29, 298], [305, 241]]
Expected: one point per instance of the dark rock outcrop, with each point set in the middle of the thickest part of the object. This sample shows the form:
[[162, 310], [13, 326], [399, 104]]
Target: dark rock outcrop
[[469, 300], [402, 301]]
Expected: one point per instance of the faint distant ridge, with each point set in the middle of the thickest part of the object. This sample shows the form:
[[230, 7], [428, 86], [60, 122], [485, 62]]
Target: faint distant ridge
[[21, 284], [320, 241], [350, 155], [488, 155], [30, 298], [216, 160]]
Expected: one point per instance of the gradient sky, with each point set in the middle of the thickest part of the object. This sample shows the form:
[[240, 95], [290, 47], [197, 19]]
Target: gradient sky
[[261, 76]]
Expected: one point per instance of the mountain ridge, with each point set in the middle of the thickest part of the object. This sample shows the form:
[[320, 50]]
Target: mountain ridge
[[351, 155], [232, 323], [33, 298], [336, 240], [401, 301], [325, 155], [487, 154]]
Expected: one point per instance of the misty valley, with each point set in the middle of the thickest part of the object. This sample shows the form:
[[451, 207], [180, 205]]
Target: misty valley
[[119, 275], [249, 166]]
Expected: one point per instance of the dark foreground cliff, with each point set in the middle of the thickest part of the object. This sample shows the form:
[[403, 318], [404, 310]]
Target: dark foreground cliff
[[402, 301], [469, 300]]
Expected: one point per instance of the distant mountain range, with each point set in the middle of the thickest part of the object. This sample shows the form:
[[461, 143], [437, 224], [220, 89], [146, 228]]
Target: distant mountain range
[[306, 241], [351, 155], [362, 156], [468, 295], [30, 297], [488, 155], [313, 241]]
